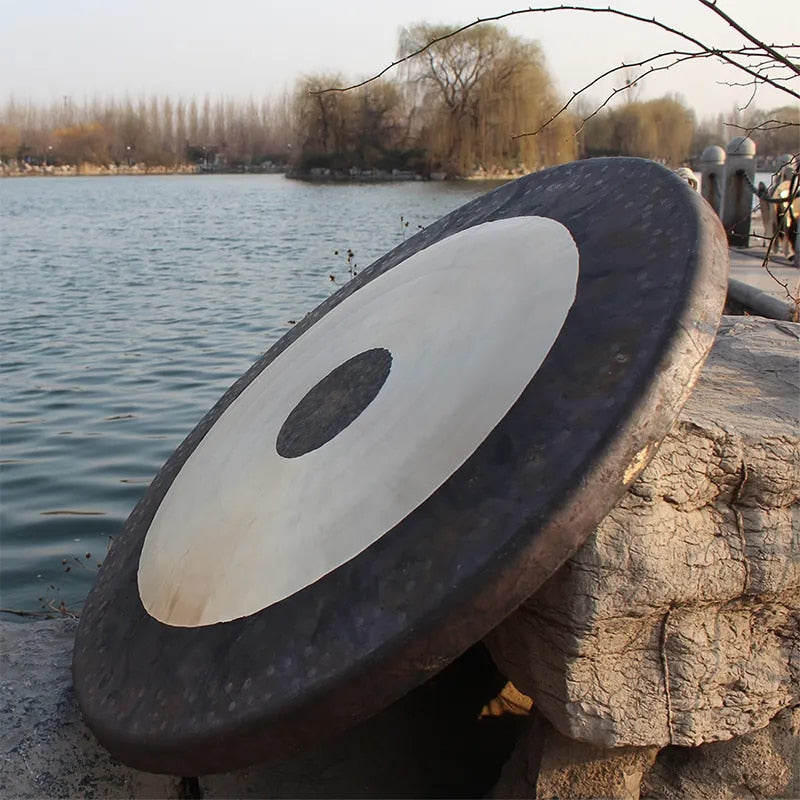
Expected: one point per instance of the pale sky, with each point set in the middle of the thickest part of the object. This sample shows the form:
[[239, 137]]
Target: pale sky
[[244, 48]]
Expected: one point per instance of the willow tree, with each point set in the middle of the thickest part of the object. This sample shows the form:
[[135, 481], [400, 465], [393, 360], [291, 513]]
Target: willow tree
[[321, 119], [776, 131], [379, 121], [674, 123], [516, 94], [346, 129], [476, 88], [662, 129]]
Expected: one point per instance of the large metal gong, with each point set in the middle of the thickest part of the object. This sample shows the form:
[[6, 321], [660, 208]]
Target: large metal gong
[[402, 469]]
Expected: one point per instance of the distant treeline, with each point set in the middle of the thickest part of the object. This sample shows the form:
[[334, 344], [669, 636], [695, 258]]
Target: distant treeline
[[153, 131], [458, 108]]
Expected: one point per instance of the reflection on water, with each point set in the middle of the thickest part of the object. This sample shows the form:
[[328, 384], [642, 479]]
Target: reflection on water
[[128, 305]]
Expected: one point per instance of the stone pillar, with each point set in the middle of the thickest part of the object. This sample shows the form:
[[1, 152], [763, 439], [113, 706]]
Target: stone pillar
[[737, 201], [712, 169]]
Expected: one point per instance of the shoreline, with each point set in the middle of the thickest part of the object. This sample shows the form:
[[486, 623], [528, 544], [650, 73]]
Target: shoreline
[[312, 176], [101, 171]]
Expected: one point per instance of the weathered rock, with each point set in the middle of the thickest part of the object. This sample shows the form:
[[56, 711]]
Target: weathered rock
[[761, 764], [678, 622], [548, 766], [696, 571]]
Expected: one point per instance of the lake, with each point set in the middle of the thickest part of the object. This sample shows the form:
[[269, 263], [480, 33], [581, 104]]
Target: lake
[[128, 305]]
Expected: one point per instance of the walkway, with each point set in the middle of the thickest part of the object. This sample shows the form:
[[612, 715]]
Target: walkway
[[748, 273]]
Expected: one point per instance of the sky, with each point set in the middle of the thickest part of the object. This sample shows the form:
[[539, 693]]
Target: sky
[[84, 49]]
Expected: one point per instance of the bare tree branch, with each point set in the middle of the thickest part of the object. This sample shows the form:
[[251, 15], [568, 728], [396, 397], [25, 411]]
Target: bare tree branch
[[681, 57], [765, 64], [711, 5], [752, 97], [754, 82], [724, 55], [766, 125]]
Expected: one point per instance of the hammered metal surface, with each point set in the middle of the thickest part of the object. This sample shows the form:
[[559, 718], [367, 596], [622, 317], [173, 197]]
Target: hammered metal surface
[[653, 265]]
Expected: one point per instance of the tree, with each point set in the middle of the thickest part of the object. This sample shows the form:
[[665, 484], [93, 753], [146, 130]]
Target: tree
[[320, 117], [478, 86], [10, 141], [775, 131], [378, 114], [80, 144], [169, 150], [452, 70], [756, 62], [661, 129], [181, 135], [344, 130]]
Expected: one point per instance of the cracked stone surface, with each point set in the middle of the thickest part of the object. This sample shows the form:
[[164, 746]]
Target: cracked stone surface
[[548, 766], [761, 764], [678, 622]]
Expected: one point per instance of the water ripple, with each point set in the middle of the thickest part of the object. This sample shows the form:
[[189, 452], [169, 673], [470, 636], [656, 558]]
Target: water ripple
[[128, 306]]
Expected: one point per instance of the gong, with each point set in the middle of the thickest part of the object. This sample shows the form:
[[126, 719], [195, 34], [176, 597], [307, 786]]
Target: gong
[[402, 469]]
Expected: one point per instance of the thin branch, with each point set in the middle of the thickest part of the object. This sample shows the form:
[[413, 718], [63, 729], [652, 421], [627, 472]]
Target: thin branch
[[752, 97], [766, 125], [652, 21], [711, 5], [684, 56], [755, 82]]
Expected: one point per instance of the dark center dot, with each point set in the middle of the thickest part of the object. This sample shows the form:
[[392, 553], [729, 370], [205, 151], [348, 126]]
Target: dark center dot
[[334, 403]]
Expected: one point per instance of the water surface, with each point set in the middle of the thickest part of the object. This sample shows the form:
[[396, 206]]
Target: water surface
[[128, 305]]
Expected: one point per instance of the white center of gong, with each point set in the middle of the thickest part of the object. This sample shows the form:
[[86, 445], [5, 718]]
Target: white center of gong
[[466, 322]]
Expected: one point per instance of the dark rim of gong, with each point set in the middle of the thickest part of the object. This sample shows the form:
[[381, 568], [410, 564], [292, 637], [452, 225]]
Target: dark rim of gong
[[653, 263]]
